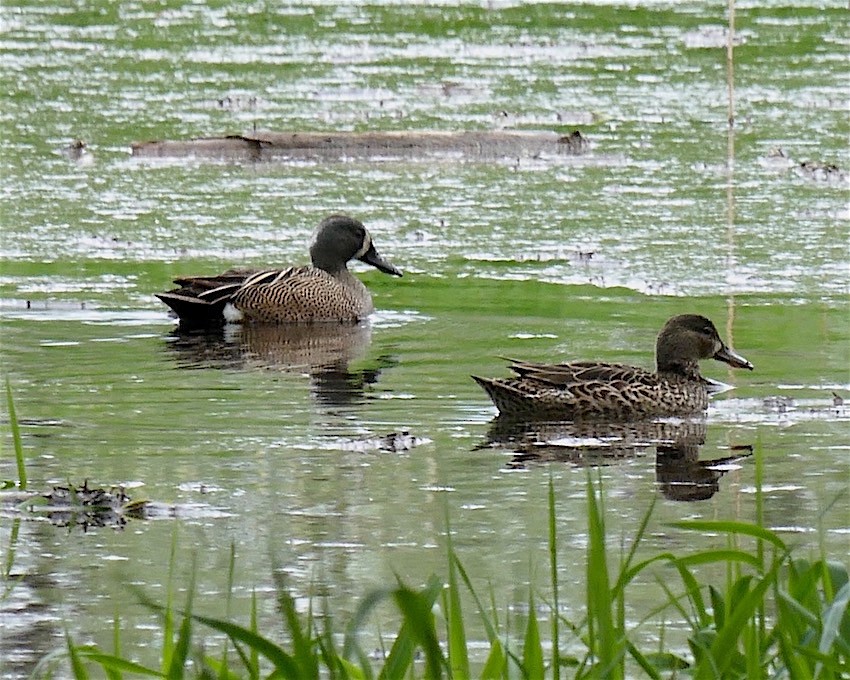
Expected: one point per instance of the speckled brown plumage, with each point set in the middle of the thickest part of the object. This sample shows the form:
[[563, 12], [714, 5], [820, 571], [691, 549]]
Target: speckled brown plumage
[[323, 292], [303, 295], [587, 389]]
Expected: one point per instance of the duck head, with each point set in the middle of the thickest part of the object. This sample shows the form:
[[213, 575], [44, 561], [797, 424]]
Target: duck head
[[340, 238], [688, 338]]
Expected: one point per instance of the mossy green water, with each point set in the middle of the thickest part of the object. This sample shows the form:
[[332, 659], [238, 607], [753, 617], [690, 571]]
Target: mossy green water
[[547, 259]]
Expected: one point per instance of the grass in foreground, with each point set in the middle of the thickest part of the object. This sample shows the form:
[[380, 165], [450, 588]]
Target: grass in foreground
[[776, 616]]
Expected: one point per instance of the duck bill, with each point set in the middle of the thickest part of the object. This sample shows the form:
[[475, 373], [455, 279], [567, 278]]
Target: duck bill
[[372, 257], [732, 358]]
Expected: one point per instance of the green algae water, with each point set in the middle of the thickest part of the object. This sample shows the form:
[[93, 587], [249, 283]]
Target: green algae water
[[278, 445]]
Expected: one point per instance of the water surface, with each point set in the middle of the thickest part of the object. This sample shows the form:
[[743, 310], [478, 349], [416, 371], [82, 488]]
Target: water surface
[[278, 445]]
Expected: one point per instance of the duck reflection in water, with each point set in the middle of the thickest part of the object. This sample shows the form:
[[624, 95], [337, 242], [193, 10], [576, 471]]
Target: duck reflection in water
[[322, 351], [680, 474]]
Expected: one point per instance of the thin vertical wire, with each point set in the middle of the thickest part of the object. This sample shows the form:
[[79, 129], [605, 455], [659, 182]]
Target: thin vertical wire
[[730, 165]]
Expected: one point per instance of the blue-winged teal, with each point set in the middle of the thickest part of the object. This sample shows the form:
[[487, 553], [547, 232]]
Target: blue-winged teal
[[591, 389], [323, 292]]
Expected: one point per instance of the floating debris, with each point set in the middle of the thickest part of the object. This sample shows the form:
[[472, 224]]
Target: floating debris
[[412, 145], [229, 103], [88, 507], [778, 403], [779, 159], [78, 152], [821, 172], [394, 442], [84, 507], [574, 143], [399, 441]]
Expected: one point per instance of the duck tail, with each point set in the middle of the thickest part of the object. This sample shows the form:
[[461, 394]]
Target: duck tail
[[192, 310], [199, 301], [505, 396]]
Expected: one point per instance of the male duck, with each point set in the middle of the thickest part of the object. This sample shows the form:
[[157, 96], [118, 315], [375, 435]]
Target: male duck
[[591, 389], [323, 292]]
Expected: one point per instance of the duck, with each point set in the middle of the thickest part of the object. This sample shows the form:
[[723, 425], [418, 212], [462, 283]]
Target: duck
[[323, 292], [617, 392]]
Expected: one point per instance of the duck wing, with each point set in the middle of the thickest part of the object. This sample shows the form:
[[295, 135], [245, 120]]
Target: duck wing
[[579, 390], [200, 284], [301, 295], [199, 300], [569, 375]]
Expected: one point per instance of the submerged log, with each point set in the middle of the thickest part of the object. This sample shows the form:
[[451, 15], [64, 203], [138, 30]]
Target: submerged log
[[283, 146]]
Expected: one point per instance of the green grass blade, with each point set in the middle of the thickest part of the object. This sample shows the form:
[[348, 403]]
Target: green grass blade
[[494, 610], [283, 662], [400, 658], [726, 555], [223, 670], [759, 478], [302, 642], [116, 634], [694, 594], [116, 664], [836, 577], [627, 575], [791, 660], [114, 674], [666, 661], [77, 666], [9, 562], [794, 614], [830, 665], [496, 664], [730, 527], [168, 611], [734, 625], [639, 534], [349, 670], [182, 648], [253, 670], [254, 667], [553, 570], [833, 616], [642, 661], [718, 607], [16, 437], [458, 656], [219, 667], [350, 646], [605, 643], [489, 628], [532, 648], [416, 609], [458, 653]]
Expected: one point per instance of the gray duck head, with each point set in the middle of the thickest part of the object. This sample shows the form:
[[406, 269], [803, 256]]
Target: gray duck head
[[340, 238], [687, 338]]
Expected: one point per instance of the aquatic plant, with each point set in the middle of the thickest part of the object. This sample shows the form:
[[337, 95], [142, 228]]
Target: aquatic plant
[[16, 440], [775, 615]]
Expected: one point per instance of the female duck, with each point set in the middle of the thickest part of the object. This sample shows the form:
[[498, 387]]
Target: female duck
[[323, 292], [590, 389]]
